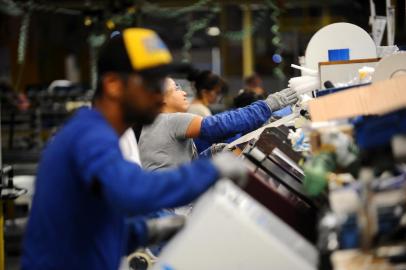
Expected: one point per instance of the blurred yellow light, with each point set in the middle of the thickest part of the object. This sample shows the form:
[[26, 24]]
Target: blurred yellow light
[[87, 21], [110, 24], [131, 10]]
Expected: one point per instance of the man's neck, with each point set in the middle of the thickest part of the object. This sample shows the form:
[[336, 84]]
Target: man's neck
[[167, 109], [113, 115]]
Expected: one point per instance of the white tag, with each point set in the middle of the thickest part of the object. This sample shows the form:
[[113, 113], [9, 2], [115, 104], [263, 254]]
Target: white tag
[[378, 28]]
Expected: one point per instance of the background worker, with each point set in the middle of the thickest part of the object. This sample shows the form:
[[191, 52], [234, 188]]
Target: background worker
[[254, 84], [208, 87]]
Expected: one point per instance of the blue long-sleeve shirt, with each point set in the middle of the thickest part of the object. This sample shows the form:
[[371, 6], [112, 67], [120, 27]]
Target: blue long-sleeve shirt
[[85, 190], [235, 123], [221, 126]]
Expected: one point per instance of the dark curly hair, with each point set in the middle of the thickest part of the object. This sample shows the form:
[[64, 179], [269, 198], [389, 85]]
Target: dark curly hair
[[206, 80]]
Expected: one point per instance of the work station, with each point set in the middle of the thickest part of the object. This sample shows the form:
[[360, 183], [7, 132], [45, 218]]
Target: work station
[[204, 134]]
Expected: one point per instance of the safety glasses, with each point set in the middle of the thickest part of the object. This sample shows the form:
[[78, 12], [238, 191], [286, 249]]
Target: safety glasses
[[178, 87]]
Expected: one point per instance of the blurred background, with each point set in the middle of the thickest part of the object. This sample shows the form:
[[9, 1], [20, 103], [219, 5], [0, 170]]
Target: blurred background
[[56, 38], [48, 48]]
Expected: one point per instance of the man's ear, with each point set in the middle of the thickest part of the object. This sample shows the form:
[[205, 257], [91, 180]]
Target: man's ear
[[113, 85]]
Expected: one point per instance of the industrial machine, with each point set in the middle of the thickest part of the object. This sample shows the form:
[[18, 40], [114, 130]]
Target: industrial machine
[[340, 205]]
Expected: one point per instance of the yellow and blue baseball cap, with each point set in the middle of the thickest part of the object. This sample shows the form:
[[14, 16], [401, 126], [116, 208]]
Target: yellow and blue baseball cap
[[138, 50]]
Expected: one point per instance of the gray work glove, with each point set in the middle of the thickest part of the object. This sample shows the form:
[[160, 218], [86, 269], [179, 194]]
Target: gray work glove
[[217, 148], [281, 99], [231, 167]]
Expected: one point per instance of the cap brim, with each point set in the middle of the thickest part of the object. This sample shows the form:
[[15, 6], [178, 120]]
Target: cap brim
[[168, 69]]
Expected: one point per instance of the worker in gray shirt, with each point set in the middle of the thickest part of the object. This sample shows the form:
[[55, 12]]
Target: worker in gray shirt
[[165, 144], [168, 141]]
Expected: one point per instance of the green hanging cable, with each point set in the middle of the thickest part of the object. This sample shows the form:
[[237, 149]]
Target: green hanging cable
[[260, 19], [193, 28], [239, 35], [22, 47], [32, 6], [156, 11], [22, 38], [277, 39], [127, 18]]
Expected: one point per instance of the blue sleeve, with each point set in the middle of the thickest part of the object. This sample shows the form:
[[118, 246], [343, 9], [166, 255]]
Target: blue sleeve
[[125, 186], [201, 145], [137, 233], [283, 112], [227, 124]]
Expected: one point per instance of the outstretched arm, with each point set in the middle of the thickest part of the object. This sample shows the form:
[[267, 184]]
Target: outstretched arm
[[217, 127]]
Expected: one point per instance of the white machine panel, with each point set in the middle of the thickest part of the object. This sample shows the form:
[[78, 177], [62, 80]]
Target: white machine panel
[[230, 230]]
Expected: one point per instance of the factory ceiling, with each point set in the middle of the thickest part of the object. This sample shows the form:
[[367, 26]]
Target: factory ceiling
[[119, 4]]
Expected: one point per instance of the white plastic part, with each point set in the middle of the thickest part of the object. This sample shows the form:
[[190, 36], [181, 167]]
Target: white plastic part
[[309, 71], [304, 84]]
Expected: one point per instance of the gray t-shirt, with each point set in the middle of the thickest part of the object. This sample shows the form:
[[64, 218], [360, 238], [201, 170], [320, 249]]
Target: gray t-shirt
[[199, 109], [163, 144]]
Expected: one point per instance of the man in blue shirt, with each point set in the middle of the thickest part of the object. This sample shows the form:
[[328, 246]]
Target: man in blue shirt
[[85, 189]]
